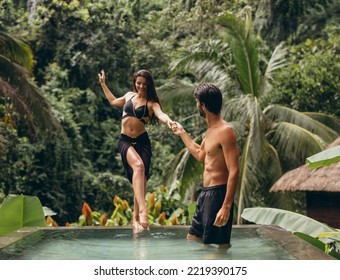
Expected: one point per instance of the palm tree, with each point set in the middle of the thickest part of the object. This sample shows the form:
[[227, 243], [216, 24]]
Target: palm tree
[[272, 139], [16, 85]]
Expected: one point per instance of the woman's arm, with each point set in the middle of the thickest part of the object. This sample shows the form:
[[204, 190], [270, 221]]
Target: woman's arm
[[114, 101], [161, 115]]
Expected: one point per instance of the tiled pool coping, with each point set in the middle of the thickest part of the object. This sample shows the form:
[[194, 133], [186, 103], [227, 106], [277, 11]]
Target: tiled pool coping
[[297, 247]]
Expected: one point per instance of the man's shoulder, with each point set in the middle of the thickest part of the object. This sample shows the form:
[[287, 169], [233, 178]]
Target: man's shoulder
[[226, 131], [226, 127]]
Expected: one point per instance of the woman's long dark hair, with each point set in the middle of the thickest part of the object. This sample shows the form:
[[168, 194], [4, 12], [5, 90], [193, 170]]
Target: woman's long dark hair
[[151, 93]]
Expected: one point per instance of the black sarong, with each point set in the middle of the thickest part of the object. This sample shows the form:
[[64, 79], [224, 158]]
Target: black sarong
[[142, 145]]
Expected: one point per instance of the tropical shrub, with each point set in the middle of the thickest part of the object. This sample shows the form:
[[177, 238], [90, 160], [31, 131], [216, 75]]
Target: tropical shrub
[[310, 83], [163, 210]]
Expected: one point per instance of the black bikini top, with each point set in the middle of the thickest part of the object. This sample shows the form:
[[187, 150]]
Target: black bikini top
[[139, 113]]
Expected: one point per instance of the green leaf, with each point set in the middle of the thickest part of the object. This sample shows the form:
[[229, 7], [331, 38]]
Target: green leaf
[[290, 221], [281, 114], [324, 158], [318, 244], [16, 50], [19, 211], [243, 44], [333, 235], [191, 210], [331, 121]]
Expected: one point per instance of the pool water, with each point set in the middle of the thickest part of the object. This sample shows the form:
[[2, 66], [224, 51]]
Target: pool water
[[122, 244]]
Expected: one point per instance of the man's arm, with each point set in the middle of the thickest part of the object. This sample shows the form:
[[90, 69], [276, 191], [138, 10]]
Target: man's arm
[[231, 157], [195, 149]]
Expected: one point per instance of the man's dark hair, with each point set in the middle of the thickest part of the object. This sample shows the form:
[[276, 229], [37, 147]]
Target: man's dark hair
[[211, 96]]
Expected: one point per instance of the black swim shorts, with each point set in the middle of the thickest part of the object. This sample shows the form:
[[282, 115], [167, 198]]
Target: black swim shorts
[[209, 202]]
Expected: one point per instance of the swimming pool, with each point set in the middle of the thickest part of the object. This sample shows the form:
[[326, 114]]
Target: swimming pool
[[249, 242]]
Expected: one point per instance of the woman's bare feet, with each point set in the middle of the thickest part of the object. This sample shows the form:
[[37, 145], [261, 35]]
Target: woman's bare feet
[[137, 227], [143, 219]]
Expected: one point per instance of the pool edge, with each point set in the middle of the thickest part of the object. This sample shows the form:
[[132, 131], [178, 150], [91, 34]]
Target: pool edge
[[297, 247]]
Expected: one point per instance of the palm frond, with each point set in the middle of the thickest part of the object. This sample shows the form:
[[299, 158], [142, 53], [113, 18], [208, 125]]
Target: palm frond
[[16, 50], [247, 181], [295, 143], [192, 175], [208, 71], [249, 178], [239, 128], [208, 61], [26, 97], [273, 171], [247, 110], [273, 168], [258, 174], [175, 169], [176, 91], [238, 109], [279, 113], [184, 168], [330, 121], [211, 50], [277, 61], [260, 163], [243, 44], [21, 107]]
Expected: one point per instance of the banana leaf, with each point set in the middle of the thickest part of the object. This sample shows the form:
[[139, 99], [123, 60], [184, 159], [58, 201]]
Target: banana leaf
[[332, 235], [318, 244], [288, 220], [324, 158], [17, 211]]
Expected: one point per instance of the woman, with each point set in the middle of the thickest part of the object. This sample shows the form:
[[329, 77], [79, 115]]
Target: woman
[[139, 107]]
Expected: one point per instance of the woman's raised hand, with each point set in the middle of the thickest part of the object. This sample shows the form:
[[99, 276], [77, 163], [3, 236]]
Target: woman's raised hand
[[101, 77]]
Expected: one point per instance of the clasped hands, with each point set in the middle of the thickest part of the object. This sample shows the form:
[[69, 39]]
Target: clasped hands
[[176, 127]]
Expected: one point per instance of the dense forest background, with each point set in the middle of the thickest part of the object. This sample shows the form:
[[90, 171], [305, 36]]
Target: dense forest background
[[277, 63]]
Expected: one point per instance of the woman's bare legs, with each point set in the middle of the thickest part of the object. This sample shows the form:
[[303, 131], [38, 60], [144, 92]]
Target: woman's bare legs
[[139, 187], [137, 227], [135, 209]]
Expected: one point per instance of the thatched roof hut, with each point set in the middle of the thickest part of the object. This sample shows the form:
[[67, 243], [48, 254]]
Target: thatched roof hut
[[325, 179], [322, 186]]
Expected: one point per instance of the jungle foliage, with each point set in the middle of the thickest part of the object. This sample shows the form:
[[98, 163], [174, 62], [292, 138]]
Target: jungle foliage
[[58, 133]]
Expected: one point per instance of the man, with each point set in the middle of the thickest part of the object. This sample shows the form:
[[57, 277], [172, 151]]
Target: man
[[212, 221]]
